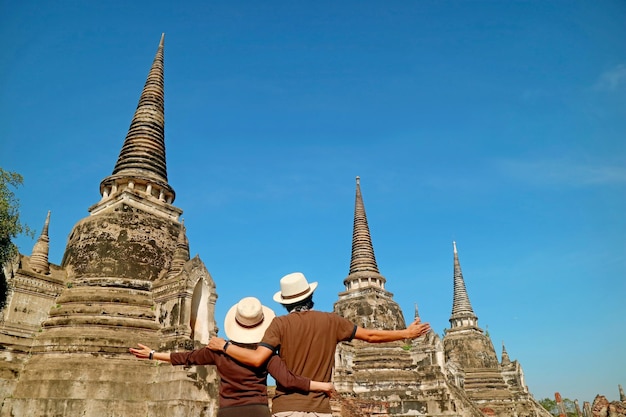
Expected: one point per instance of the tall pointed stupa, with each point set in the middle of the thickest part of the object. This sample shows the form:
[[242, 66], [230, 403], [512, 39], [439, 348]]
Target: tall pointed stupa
[[363, 268], [129, 280], [463, 317], [365, 300], [141, 163], [39, 257], [497, 389], [464, 338], [388, 379]]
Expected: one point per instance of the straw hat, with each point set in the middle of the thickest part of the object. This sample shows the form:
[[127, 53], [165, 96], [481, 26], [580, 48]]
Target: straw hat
[[293, 288], [247, 321]]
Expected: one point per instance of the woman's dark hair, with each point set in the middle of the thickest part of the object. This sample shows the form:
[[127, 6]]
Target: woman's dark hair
[[304, 305]]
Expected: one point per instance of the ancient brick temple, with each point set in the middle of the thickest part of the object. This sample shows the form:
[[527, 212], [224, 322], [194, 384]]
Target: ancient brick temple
[[127, 277], [459, 376]]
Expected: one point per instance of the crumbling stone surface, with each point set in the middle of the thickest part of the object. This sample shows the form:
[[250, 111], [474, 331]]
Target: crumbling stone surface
[[371, 308], [78, 363], [601, 407], [471, 350], [123, 242]]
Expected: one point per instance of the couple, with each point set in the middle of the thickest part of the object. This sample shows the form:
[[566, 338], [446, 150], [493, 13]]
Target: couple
[[300, 347]]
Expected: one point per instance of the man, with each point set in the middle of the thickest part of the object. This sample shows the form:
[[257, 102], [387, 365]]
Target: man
[[306, 341]]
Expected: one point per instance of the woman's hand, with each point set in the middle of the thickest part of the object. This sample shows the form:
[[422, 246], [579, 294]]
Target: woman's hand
[[327, 387], [142, 353]]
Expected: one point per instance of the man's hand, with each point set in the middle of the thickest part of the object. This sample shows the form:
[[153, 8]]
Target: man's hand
[[417, 329], [217, 344]]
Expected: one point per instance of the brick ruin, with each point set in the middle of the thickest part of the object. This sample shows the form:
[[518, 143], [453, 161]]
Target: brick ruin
[[127, 276], [601, 406]]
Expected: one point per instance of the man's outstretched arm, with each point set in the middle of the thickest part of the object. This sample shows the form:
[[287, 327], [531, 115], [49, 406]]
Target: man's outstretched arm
[[415, 330], [250, 357]]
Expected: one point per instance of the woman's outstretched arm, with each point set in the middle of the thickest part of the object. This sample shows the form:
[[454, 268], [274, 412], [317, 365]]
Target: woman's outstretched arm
[[144, 352]]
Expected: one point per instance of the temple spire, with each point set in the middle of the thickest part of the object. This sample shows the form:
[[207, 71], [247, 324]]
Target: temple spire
[[365, 301], [39, 257], [505, 356], [141, 162], [462, 313], [363, 268]]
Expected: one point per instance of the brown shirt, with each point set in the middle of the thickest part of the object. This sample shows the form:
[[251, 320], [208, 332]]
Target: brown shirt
[[306, 341], [241, 384]]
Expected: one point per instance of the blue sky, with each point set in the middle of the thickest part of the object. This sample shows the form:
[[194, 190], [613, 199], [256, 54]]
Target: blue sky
[[496, 124]]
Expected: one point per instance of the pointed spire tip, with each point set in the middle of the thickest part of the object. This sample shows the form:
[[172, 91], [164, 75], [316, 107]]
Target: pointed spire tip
[[143, 153], [46, 224], [162, 39], [363, 258]]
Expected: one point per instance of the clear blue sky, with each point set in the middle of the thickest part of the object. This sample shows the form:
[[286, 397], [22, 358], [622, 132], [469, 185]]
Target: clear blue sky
[[497, 124]]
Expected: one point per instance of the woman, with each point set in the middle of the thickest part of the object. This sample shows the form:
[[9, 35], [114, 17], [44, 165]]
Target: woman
[[242, 389]]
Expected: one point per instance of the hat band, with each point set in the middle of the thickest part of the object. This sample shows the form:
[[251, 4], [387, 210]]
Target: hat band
[[288, 297], [249, 326]]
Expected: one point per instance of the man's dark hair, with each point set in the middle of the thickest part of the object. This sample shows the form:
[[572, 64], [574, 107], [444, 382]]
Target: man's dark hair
[[304, 305]]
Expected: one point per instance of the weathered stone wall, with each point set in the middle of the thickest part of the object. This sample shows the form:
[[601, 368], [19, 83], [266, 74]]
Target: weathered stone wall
[[371, 308], [470, 349], [514, 377], [397, 379], [123, 242], [55, 385], [78, 363], [30, 297], [495, 390], [185, 305]]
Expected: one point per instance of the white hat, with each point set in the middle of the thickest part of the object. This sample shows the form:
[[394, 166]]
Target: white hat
[[247, 321], [293, 288]]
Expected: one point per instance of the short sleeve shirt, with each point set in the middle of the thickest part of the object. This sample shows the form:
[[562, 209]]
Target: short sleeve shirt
[[306, 341]]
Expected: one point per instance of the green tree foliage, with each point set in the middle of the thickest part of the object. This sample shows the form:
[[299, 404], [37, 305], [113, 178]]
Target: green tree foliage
[[10, 225], [553, 408], [570, 407], [550, 405]]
